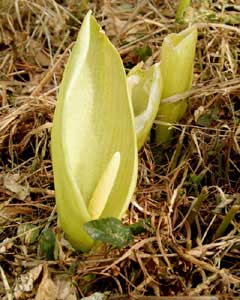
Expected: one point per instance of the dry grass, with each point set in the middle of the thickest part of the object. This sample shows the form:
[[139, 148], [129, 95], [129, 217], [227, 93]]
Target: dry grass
[[186, 189]]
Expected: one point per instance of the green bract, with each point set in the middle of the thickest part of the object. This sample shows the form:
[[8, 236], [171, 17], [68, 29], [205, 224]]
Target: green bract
[[177, 59], [94, 148], [146, 89]]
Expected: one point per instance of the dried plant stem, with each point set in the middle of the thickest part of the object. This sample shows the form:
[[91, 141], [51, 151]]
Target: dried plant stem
[[50, 73], [202, 264], [6, 285]]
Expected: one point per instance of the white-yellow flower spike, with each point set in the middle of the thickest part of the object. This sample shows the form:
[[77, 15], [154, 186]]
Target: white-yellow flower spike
[[103, 189], [177, 60], [94, 147], [145, 88]]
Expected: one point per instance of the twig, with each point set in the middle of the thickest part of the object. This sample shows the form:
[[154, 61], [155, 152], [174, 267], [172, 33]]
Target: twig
[[6, 285], [50, 72]]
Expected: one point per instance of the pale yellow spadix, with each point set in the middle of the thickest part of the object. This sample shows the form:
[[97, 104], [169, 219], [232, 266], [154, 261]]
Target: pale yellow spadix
[[177, 59], [100, 195], [145, 88], [94, 147]]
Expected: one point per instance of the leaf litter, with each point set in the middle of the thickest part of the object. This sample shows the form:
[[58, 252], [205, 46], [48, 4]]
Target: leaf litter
[[199, 169]]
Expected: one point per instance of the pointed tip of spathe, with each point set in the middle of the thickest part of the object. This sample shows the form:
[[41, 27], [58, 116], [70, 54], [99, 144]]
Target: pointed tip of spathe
[[91, 21], [89, 13], [188, 35]]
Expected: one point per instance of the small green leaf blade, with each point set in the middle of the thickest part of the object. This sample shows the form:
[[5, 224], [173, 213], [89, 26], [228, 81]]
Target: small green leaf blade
[[47, 244], [110, 231], [140, 227], [144, 52]]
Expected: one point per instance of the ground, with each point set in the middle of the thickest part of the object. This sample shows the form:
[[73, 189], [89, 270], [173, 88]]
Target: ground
[[189, 189]]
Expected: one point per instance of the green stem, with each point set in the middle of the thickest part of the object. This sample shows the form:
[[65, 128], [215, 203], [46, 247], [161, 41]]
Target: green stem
[[197, 204], [177, 151], [182, 6], [227, 220]]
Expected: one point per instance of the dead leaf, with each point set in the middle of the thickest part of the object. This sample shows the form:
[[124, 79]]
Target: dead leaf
[[28, 233], [25, 282], [37, 52], [65, 289], [238, 131], [97, 296], [5, 245], [47, 289], [198, 113], [10, 212], [10, 182]]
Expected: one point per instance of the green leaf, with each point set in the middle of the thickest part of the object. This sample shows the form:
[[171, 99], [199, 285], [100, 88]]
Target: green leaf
[[145, 88], [207, 118], [94, 148], [110, 231], [47, 244], [140, 227], [177, 59], [204, 120], [144, 52]]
